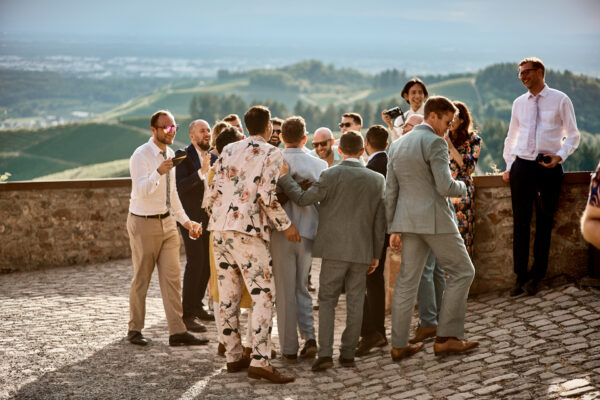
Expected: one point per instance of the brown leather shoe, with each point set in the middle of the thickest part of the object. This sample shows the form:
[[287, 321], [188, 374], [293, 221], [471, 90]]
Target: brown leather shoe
[[453, 345], [368, 342], [399, 354], [221, 350], [238, 365], [273, 376], [422, 333]]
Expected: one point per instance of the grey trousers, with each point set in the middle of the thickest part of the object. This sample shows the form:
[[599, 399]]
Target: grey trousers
[[451, 253], [291, 264], [333, 275]]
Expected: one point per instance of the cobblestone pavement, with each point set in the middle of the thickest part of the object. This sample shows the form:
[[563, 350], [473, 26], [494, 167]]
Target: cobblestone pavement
[[61, 336]]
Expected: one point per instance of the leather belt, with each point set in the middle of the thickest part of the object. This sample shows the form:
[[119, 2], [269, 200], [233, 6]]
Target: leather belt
[[159, 216]]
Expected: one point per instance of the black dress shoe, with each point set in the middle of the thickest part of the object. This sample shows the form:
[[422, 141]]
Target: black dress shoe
[[346, 362], [322, 364], [205, 315], [136, 337], [309, 350], [531, 287], [290, 358], [186, 339], [517, 291], [192, 325], [375, 339]]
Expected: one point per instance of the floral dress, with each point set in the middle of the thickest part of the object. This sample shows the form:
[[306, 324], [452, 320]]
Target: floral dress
[[594, 198], [464, 207]]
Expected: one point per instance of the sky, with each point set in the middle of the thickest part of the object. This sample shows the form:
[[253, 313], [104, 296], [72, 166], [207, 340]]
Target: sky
[[563, 33]]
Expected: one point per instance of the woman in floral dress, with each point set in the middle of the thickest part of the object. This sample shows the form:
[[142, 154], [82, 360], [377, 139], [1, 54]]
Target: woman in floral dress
[[464, 145]]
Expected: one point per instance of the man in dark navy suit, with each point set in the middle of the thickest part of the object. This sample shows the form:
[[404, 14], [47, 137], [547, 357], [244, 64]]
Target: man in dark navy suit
[[191, 191], [373, 328]]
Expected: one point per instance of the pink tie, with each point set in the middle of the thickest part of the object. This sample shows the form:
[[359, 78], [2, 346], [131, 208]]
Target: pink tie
[[531, 138]]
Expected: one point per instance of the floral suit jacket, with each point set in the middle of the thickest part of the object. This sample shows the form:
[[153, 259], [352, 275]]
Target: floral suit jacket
[[242, 195]]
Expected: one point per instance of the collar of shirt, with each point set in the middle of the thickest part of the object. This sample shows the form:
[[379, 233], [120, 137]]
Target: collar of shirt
[[356, 160], [155, 149], [293, 150], [426, 124], [374, 154], [257, 138], [542, 93]]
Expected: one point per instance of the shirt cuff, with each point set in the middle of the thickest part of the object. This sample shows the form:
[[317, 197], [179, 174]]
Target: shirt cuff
[[154, 177], [562, 154]]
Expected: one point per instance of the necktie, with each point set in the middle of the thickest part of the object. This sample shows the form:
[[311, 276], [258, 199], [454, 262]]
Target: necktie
[[164, 154], [531, 139]]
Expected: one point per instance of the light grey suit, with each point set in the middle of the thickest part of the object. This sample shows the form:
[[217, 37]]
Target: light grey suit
[[350, 235], [417, 187]]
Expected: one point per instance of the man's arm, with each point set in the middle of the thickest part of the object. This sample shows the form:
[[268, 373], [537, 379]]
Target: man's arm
[[317, 192], [144, 178], [379, 227], [570, 131], [510, 142], [391, 192], [266, 190], [440, 167]]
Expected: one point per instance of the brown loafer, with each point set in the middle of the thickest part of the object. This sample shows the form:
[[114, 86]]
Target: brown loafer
[[453, 345], [422, 333], [238, 365], [221, 350], [399, 354], [273, 376]]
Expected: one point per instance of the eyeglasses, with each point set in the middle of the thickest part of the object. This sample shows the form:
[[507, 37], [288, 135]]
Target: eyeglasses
[[345, 124], [321, 144], [526, 71], [169, 129], [277, 131]]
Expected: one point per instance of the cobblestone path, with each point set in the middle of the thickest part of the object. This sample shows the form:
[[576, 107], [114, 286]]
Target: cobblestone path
[[62, 330]]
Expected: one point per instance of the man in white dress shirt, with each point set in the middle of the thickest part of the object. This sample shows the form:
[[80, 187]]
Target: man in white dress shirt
[[534, 151], [153, 209]]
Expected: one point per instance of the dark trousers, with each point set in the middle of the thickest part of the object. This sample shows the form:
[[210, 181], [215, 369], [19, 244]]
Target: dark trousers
[[374, 306], [197, 272], [530, 183]]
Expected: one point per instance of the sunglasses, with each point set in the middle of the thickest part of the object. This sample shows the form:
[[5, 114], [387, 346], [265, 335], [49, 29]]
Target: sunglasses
[[277, 131], [321, 144], [345, 124], [169, 129]]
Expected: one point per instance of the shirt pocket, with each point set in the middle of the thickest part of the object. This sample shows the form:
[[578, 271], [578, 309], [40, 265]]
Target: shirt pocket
[[549, 118]]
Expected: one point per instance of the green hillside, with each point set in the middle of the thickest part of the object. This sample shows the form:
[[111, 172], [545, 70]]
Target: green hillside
[[111, 169]]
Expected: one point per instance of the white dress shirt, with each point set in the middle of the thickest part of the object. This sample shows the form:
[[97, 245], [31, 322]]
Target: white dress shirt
[[556, 128], [148, 187], [399, 123]]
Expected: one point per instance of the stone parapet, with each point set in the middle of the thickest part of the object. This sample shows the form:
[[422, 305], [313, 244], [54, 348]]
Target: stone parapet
[[45, 224]]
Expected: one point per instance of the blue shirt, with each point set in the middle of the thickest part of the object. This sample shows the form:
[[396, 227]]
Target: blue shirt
[[303, 166]]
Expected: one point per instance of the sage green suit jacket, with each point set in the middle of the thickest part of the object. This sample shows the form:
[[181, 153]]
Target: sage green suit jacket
[[351, 211], [419, 183]]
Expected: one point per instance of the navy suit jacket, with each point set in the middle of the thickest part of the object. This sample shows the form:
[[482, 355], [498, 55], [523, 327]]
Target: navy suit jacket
[[190, 187], [379, 164]]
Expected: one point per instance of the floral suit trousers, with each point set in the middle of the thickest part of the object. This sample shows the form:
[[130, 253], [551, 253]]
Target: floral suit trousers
[[243, 259]]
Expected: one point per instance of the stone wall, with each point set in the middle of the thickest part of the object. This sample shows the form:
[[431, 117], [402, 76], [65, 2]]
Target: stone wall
[[44, 224]]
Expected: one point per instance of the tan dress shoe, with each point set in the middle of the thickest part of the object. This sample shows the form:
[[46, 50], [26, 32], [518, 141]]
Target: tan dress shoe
[[422, 333], [273, 376], [238, 365], [453, 345], [398, 354]]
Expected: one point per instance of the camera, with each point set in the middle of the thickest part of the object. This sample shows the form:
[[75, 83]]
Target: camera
[[542, 158], [395, 113]]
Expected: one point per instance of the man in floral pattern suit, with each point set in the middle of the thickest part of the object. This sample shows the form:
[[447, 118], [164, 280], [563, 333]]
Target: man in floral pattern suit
[[244, 209]]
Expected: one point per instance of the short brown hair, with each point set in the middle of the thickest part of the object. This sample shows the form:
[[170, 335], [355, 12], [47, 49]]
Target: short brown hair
[[277, 121], [157, 115], [256, 119], [228, 135], [536, 62], [351, 143], [217, 129], [377, 136], [439, 105], [232, 117], [411, 83], [293, 130], [355, 117]]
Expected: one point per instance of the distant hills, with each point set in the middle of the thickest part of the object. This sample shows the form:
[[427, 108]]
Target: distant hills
[[101, 145]]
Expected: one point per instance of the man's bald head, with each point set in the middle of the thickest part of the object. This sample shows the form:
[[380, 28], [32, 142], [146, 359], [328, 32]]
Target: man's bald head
[[411, 122], [322, 134], [200, 134]]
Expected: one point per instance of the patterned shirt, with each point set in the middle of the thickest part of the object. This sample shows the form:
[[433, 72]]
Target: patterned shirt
[[242, 195]]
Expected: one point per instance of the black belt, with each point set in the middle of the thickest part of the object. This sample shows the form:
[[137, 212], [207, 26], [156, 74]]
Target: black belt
[[159, 216]]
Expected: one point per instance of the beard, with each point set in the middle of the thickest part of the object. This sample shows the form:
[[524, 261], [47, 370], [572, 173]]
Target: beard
[[203, 146], [164, 139], [325, 153]]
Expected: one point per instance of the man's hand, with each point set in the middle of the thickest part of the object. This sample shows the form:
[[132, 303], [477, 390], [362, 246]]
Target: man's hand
[[165, 166], [282, 198], [506, 176], [205, 163], [373, 266], [292, 234], [555, 160], [305, 184], [396, 241], [285, 169], [193, 227], [387, 119]]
